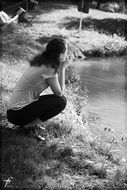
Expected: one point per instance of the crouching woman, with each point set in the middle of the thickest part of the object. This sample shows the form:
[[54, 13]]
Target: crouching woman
[[27, 105]]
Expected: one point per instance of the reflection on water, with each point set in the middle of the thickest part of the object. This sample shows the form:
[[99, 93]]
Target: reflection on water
[[106, 84]]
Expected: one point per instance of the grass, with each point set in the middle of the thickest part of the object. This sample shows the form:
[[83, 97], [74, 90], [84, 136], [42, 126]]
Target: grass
[[71, 158]]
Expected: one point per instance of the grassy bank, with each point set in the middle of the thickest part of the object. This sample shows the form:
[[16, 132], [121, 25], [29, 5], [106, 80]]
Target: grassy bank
[[71, 158]]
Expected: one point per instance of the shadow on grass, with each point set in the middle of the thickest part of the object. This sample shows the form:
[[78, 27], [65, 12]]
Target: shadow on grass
[[19, 153], [23, 157], [108, 25]]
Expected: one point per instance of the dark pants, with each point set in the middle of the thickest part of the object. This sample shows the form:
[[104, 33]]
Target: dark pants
[[46, 107]]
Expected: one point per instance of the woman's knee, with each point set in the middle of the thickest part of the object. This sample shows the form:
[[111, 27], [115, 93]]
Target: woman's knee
[[62, 102]]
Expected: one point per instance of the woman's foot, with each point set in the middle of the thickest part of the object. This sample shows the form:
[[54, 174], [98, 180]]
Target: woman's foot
[[31, 131], [39, 133]]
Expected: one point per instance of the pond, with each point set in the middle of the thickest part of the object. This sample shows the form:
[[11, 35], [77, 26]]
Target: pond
[[105, 81]]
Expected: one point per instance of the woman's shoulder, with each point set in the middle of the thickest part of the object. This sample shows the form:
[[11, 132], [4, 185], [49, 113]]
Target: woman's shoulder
[[42, 70], [48, 72]]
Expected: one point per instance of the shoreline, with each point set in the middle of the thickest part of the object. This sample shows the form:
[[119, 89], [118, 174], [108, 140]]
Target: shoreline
[[117, 139]]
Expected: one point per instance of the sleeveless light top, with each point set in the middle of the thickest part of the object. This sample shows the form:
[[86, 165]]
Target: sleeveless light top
[[31, 84]]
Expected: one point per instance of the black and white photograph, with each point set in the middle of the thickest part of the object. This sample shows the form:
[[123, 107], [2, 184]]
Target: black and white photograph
[[63, 94]]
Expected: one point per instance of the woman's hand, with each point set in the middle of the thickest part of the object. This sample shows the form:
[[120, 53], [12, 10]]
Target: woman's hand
[[67, 62]]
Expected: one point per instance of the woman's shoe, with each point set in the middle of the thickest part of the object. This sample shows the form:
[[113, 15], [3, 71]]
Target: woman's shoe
[[31, 131], [36, 133], [39, 137]]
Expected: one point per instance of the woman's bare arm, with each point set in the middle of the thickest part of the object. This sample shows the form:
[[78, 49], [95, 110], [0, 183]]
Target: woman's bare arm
[[54, 84], [61, 72]]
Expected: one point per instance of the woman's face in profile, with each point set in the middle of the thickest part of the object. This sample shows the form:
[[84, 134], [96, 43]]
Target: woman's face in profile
[[63, 56]]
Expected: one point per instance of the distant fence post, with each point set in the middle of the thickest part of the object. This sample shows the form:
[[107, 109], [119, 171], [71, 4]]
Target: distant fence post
[[83, 7], [81, 17], [26, 5]]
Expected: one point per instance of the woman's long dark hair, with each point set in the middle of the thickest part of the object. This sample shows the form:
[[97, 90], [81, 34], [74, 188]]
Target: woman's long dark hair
[[51, 56]]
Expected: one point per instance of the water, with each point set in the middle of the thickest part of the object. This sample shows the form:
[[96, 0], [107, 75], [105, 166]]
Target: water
[[105, 81]]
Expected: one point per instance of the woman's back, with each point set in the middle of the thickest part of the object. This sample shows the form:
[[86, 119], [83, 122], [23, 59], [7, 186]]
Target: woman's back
[[31, 84]]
